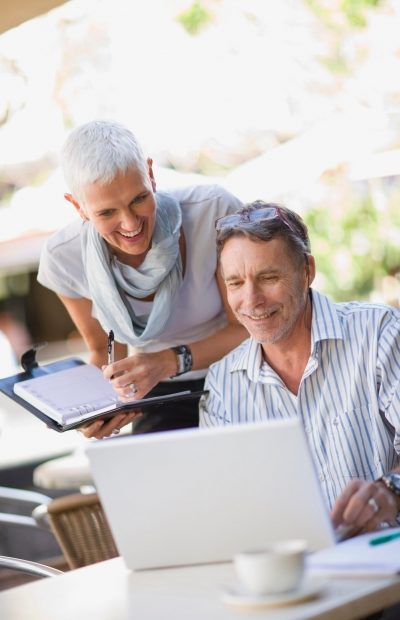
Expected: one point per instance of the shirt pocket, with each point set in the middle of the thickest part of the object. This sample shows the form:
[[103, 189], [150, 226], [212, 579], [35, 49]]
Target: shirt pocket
[[354, 443]]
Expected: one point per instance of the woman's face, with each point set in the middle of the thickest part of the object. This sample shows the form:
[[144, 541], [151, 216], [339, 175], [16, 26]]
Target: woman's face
[[123, 213]]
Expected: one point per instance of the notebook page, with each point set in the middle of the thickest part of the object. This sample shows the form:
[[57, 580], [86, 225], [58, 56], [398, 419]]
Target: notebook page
[[357, 557], [69, 395]]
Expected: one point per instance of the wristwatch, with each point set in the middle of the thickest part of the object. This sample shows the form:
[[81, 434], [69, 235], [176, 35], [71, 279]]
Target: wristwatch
[[391, 482], [184, 359]]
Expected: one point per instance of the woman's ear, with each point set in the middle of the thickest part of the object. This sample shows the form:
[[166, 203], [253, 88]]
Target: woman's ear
[[151, 174], [77, 206]]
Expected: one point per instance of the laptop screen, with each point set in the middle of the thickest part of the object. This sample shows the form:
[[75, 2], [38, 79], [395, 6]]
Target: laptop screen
[[201, 495]]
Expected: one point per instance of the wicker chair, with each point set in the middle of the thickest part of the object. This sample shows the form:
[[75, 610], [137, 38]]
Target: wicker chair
[[81, 529], [77, 521]]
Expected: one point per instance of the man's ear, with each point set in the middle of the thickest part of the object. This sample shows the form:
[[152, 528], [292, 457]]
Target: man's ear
[[75, 203], [310, 269], [151, 174]]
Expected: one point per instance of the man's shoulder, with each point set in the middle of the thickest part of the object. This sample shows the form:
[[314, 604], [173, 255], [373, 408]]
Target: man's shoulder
[[366, 310], [367, 320], [353, 310]]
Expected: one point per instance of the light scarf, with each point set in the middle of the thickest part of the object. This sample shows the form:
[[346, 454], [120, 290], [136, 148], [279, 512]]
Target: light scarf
[[110, 281]]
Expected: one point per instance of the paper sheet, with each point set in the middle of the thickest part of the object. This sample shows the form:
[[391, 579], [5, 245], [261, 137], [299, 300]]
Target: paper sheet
[[357, 557]]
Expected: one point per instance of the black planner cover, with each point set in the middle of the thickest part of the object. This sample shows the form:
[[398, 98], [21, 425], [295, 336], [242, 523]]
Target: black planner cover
[[33, 370]]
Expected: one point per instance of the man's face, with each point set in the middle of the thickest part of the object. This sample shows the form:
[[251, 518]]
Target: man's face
[[123, 213], [266, 290]]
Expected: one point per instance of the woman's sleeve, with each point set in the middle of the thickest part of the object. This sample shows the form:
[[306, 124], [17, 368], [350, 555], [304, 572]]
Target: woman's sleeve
[[227, 203], [60, 273]]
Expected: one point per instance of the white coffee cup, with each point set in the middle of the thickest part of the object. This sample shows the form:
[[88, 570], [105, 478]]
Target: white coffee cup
[[276, 569]]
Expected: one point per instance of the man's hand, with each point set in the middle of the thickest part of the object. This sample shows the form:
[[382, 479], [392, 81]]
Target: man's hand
[[363, 506], [104, 428], [133, 377]]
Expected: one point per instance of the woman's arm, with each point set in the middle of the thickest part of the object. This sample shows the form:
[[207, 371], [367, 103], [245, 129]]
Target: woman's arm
[[145, 370], [80, 311], [212, 348]]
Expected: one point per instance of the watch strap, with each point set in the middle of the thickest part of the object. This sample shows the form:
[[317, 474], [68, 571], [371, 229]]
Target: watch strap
[[184, 359], [391, 482]]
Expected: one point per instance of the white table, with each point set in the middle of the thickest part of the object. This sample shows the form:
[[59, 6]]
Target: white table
[[108, 591]]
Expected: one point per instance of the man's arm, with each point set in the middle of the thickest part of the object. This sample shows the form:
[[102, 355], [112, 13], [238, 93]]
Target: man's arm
[[365, 504]]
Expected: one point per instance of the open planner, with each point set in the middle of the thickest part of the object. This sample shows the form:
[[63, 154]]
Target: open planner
[[70, 393]]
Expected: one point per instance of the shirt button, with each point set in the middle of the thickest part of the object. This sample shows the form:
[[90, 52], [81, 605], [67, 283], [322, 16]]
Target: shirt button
[[321, 477], [307, 428]]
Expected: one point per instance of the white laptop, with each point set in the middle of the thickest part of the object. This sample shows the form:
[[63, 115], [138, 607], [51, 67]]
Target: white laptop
[[200, 495]]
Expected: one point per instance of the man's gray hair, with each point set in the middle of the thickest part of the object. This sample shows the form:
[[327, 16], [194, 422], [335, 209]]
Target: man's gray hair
[[97, 152], [293, 231]]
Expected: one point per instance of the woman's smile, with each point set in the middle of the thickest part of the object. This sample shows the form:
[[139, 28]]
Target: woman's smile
[[132, 235], [124, 214]]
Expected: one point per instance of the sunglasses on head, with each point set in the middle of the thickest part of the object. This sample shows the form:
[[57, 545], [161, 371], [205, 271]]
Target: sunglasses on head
[[253, 214]]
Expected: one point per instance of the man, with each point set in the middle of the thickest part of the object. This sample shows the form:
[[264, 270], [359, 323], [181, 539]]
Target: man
[[336, 366]]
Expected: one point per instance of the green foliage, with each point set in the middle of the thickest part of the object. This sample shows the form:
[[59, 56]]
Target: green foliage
[[336, 63], [340, 18], [194, 18], [355, 11], [356, 248]]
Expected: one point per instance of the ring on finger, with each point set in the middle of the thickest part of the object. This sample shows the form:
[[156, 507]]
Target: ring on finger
[[132, 388], [116, 431], [373, 504]]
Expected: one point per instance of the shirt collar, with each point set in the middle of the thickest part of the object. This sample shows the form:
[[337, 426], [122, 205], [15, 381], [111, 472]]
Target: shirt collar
[[249, 359], [325, 325]]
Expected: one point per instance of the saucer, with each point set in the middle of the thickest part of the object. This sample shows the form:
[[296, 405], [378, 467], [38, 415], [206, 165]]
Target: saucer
[[238, 596]]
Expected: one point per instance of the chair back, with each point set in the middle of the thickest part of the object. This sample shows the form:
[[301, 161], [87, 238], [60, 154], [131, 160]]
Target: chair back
[[80, 526]]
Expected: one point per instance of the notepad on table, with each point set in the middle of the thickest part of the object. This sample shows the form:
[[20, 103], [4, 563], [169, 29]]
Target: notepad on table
[[357, 557], [77, 394]]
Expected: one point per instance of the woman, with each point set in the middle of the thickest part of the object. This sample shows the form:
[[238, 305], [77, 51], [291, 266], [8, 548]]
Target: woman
[[143, 264]]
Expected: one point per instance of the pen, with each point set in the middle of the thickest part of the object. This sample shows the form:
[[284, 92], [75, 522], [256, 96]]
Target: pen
[[110, 347], [343, 531], [379, 540]]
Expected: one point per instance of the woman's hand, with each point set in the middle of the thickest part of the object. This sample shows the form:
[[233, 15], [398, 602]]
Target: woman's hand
[[133, 377], [104, 428], [363, 506]]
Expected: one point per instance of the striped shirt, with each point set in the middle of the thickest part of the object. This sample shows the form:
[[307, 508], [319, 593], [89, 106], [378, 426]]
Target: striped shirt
[[348, 398]]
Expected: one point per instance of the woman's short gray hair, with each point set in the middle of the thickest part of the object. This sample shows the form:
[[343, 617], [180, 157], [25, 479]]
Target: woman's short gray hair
[[98, 151], [288, 226]]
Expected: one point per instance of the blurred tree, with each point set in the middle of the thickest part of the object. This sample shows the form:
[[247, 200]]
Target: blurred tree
[[194, 18], [357, 246]]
